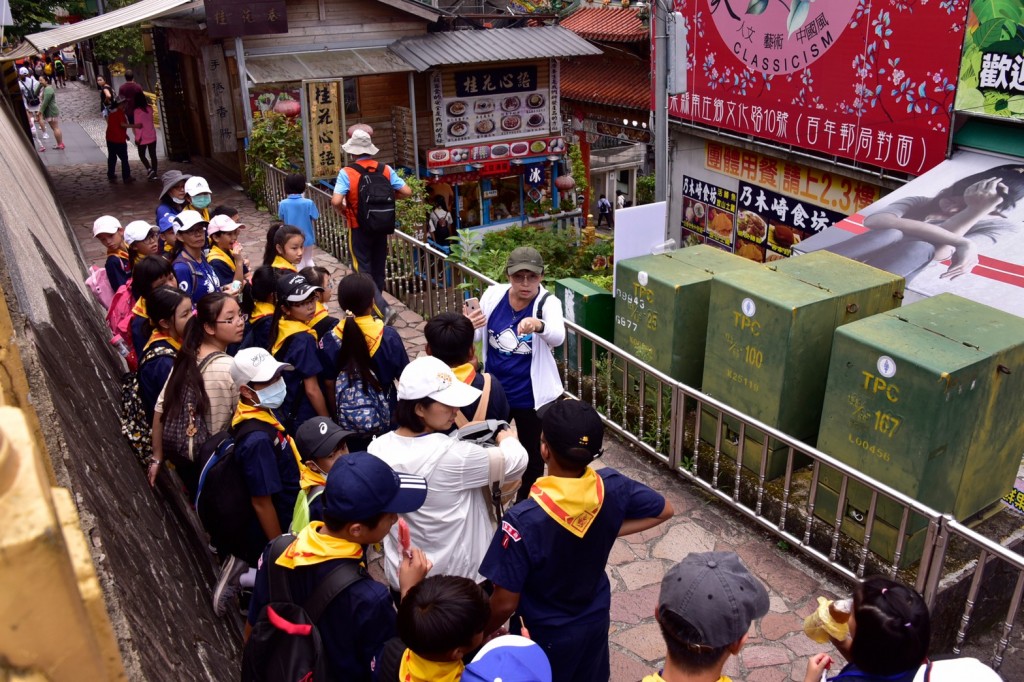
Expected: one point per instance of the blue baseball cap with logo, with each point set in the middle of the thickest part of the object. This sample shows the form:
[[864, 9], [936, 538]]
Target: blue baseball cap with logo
[[360, 486]]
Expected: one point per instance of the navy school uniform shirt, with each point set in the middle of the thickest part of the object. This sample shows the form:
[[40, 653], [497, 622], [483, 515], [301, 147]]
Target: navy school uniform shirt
[[140, 330], [257, 334], [301, 352], [561, 578], [387, 363], [195, 277], [269, 468], [153, 375], [508, 356], [353, 628], [118, 271]]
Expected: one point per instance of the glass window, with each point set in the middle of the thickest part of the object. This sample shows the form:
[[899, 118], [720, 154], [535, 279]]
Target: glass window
[[505, 204], [351, 91], [469, 204]]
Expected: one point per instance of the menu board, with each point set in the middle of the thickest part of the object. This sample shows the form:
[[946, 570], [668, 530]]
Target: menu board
[[708, 214], [491, 104], [477, 153], [769, 225]]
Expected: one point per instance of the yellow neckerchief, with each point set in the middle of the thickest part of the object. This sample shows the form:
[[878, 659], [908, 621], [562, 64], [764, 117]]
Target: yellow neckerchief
[[372, 328], [120, 253], [465, 373], [261, 310], [281, 264], [321, 313], [656, 677], [139, 309], [309, 478], [286, 328], [418, 669], [573, 502], [169, 247], [160, 336], [313, 547], [205, 212], [244, 412], [217, 253]]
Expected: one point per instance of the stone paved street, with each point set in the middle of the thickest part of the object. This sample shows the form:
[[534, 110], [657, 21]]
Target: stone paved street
[[777, 649]]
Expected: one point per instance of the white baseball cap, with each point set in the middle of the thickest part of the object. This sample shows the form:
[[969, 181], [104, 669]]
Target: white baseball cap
[[197, 185], [428, 377], [105, 224], [137, 231], [256, 365], [186, 220], [222, 223], [23, 71]]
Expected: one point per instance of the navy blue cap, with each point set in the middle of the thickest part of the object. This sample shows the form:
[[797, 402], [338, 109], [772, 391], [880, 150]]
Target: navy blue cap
[[360, 486]]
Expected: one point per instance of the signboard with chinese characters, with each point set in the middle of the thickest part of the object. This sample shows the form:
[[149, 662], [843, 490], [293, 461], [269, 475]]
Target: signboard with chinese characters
[[818, 187], [493, 103], [323, 127], [219, 100], [234, 18], [708, 212], [992, 67], [506, 151], [870, 82], [769, 225]]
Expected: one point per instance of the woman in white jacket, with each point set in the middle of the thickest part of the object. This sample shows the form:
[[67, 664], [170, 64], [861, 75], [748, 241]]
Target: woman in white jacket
[[519, 324], [453, 527]]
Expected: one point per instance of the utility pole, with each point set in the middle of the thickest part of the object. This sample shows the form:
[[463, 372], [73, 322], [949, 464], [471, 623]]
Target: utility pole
[[669, 78]]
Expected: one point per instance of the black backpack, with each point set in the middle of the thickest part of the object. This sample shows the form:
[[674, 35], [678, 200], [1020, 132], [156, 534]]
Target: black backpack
[[223, 501], [376, 209], [442, 230], [285, 645]]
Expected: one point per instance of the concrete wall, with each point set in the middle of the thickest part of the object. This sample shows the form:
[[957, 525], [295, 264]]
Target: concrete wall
[[154, 572]]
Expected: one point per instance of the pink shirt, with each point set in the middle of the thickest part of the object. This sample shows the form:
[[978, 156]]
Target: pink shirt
[[147, 133]]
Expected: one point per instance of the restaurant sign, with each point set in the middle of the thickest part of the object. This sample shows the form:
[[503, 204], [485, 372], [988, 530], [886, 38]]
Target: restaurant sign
[[236, 18], [480, 154]]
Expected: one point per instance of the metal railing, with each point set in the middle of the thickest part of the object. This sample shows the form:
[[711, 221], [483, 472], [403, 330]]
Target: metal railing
[[693, 433]]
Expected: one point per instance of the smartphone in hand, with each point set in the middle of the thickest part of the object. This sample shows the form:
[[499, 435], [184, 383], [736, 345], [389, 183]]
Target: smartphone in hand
[[472, 305]]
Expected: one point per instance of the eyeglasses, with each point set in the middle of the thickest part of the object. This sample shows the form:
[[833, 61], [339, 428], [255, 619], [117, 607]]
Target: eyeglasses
[[524, 277], [234, 320]]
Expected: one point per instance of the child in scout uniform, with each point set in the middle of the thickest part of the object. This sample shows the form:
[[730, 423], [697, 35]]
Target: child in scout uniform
[[224, 257], [107, 229], [321, 442], [547, 561], [261, 313]]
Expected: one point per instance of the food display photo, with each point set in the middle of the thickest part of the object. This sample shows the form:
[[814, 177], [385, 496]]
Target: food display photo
[[709, 210], [769, 225], [470, 119]]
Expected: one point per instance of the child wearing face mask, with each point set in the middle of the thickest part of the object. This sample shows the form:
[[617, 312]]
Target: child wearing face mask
[[270, 467], [198, 196]]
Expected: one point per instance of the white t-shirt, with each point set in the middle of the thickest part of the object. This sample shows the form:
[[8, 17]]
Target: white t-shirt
[[959, 670], [453, 527]]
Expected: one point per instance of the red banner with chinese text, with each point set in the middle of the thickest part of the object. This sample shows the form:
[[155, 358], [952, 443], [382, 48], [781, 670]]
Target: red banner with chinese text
[[872, 82]]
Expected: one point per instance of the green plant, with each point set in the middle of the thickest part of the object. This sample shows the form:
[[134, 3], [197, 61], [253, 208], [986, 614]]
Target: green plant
[[645, 189], [30, 15], [276, 140], [411, 213], [123, 43], [579, 174]]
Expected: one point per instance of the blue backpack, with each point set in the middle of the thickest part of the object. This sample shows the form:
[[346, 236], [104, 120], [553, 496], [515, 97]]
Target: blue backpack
[[362, 408]]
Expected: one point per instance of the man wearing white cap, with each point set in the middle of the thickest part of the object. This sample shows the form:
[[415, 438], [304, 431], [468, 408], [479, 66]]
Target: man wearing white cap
[[369, 225]]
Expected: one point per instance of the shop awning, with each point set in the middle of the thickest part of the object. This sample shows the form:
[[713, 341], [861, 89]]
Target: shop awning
[[22, 51], [284, 68], [991, 136], [143, 10], [997, 280], [490, 45]]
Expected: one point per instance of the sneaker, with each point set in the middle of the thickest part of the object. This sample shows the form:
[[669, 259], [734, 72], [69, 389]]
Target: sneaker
[[228, 587], [60, 146], [46, 136], [154, 178], [42, 148], [151, 174]]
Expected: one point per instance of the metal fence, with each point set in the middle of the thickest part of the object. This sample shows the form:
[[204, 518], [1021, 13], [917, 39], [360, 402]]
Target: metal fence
[[693, 435]]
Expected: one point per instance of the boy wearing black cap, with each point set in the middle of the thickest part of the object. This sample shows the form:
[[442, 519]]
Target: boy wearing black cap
[[361, 501], [547, 561], [320, 442], [707, 603]]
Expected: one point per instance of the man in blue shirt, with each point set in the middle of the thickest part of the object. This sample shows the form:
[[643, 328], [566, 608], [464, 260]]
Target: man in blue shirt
[[369, 251], [547, 561]]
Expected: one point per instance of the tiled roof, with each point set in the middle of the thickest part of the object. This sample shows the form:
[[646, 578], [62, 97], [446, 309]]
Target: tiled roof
[[607, 24], [620, 81]]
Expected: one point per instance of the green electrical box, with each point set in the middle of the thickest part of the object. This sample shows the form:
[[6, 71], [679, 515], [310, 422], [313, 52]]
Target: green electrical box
[[769, 341], [928, 399], [661, 307], [592, 308]]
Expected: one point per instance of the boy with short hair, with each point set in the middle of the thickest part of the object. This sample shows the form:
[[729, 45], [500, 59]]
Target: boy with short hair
[[547, 561], [295, 209], [707, 603], [362, 500], [450, 340], [321, 442]]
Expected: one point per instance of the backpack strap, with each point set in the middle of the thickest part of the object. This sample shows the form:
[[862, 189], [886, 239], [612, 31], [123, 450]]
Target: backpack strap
[[158, 352], [337, 581], [485, 397], [539, 309], [180, 258], [496, 475], [208, 359], [279, 588]]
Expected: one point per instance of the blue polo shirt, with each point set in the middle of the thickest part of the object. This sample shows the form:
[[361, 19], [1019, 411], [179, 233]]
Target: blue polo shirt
[[508, 356], [301, 352], [353, 628], [269, 468], [301, 212], [559, 577], [195, 277]]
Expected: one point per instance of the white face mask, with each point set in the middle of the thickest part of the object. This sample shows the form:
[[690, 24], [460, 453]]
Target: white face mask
[[177, 200], [272, 397]]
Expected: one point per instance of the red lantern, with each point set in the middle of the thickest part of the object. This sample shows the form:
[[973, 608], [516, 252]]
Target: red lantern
[[565, 183]]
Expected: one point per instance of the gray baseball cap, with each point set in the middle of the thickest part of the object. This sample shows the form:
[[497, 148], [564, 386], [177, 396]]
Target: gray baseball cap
[[715, 594], [524, 258]]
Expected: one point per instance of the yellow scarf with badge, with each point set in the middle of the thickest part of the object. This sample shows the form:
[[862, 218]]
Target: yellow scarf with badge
[[418, 669], [160, 336], [572, 502], [219, 254], [321, 313], [313, 547], [120, 253], [281, 264], [288, 328], [260, 310], [372, 328], [309, 478], [139, 309], [244, 412], [465, 373]]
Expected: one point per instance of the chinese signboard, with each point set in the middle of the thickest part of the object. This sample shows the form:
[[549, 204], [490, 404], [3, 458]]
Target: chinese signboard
[[871, 82], [708, 213], [481, 153], [769, 224], [232, 18], [323, 127], [992, 66], [818, 187], [493, 104], [219, 100]]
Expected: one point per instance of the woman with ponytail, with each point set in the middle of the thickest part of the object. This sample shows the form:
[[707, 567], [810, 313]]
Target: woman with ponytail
[[284, 248], [199, 381]]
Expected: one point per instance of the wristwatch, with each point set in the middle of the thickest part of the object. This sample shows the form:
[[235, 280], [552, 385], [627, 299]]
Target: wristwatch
[[540, 330]]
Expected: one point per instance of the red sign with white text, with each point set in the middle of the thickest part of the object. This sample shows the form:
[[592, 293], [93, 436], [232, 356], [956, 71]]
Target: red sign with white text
[[871, 82]]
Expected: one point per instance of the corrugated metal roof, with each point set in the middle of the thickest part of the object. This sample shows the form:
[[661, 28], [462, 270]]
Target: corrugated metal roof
[[283, 68], [608, 24], [619, 81], [132, 14], [491, 45]]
